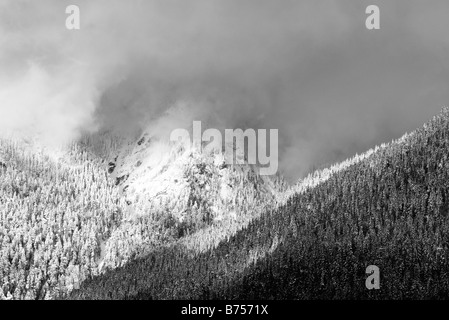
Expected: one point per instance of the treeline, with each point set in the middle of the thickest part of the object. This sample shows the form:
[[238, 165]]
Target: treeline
[[387, 208]]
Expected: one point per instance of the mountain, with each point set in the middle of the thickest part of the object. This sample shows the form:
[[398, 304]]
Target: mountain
[[67, 215], [387, 207], [172, 193], [132, 217]]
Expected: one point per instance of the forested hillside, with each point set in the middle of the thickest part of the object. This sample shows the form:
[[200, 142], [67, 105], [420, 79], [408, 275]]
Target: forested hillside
[[388, 207], [53, 218], [66, 217]]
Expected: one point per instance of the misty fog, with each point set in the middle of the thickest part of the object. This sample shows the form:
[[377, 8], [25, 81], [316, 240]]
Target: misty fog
[[308, 68]]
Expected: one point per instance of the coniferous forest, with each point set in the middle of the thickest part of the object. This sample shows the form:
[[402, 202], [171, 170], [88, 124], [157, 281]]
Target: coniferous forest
[[388, 207], [66, 231], [228, 150]]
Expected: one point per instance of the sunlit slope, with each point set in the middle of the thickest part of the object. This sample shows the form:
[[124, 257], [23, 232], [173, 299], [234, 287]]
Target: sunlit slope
[[54, 214], [390, 209]]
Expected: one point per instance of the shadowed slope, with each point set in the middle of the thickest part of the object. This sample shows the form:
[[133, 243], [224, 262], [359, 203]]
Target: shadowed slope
[[390, 209]]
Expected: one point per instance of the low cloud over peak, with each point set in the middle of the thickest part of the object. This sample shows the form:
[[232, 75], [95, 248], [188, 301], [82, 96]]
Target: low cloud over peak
[[309, 69]]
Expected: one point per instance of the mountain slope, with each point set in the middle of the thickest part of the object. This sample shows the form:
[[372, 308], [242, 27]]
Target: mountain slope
[[68, 215], [387, 208], [173, 193], [53, 216]]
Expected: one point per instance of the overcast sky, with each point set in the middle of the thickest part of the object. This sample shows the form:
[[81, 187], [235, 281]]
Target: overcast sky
[[308, 68]]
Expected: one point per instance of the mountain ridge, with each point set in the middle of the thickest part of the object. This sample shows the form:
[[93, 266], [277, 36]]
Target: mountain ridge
[[388, 209], [210, 243]]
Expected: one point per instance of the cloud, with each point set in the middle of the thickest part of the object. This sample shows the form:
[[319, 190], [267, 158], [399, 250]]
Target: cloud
[[307, 68]]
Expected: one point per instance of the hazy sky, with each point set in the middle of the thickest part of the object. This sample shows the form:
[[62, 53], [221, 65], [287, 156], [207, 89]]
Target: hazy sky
[[308, 68]]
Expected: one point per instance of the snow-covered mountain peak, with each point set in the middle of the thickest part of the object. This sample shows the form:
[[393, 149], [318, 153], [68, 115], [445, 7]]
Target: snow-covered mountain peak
[[151, 170]]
